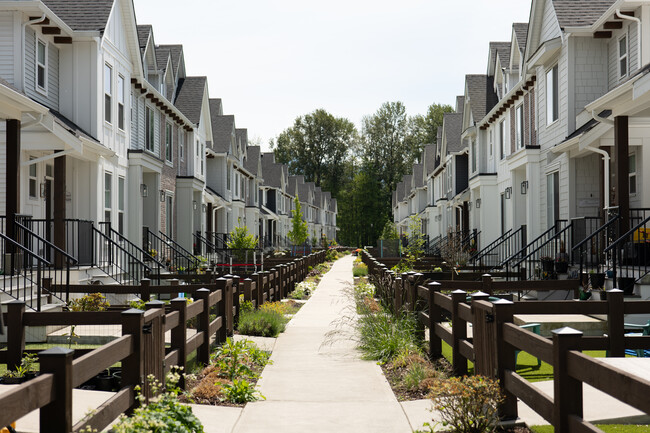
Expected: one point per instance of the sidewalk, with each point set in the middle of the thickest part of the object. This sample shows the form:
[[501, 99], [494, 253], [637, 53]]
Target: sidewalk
[[316, 388]]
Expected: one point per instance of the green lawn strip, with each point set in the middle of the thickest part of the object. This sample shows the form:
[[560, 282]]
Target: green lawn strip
[[607, 428], [526, 364]]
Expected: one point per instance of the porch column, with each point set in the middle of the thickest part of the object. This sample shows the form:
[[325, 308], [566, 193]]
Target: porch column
[[465, 219], [621, 142], [13, 177], [59, 207], [208, 223]]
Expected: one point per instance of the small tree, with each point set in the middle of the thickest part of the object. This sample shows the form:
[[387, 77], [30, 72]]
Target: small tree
[[240, 242], [299, 232], [389, 231]]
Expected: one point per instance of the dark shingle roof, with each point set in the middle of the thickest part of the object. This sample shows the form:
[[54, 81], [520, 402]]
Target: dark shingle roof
[[418, 170], [400, 191], [407, 185], [72, 127], [460, 103], [144, 30], [430, 157], [222, 130], [292, 184], [82, 15], [162, 56], [242, 136], [271, 171], [576, 13], [521, 32], [189, 97], [480, 90], [502, 49], [252, 160], [453, 123], [216, 108]]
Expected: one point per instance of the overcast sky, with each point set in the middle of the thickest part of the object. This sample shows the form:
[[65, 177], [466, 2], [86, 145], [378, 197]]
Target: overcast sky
[[272, 61]]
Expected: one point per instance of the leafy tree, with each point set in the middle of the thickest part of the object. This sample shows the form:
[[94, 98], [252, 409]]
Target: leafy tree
[[240, 242], [389, 231], [299, 233], [424, 129], [317, 146]]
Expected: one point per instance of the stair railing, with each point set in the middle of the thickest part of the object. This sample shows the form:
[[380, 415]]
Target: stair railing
[[631, 252]]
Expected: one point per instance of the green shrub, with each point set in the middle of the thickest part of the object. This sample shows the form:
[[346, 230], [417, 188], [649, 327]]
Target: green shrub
[[261, 323], [384, 336], [469, 404], [241, 391], [89, 302], [360, 270], [163, 414]]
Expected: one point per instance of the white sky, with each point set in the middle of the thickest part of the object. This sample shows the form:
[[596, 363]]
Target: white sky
[[272, 61]]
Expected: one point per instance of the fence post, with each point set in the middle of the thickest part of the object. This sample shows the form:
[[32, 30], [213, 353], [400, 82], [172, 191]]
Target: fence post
[[174, 283], [157, 365], [248, 289], [616, 322], [236, 291], [486, 279], [15, 333], [416, 280], [222, 333], [397, 295], [57, 416], [228, 304], [481, 346], [273, 285], [203, 324], [179, 335], [567, 391], [259, 296], [133, 365], [435, 316], [505, 356], [458, 333], [145, 289], [418, 305]]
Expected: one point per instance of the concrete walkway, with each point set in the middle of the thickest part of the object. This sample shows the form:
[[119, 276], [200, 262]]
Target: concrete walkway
[[323, 388]]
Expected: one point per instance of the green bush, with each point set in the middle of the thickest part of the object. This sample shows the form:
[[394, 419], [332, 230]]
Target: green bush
[[241, 391], [384, 336], [469, 404], [360, 270], [261, 323]]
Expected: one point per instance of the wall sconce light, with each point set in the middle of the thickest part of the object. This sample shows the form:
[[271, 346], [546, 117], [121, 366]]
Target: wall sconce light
[[204, 207], [162, 195], [43, 189], [194, 204], [144, 191], [478, 203], [508, 192], [469, 205], [524, 187]]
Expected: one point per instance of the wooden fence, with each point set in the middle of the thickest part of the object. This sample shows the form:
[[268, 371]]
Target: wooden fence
[[141, 348]]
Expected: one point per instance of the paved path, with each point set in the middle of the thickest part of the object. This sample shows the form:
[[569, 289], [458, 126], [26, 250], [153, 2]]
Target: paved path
[[316, 388]]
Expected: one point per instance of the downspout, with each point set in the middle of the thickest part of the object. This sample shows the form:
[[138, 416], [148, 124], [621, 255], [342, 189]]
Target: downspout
[[34, 21], [606, 158], [638, 36]]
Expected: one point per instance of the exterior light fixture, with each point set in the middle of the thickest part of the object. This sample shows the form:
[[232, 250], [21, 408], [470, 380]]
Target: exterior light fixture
[[194, 204], [524, 187], [478, 203], [204, 207], [508, 192], [162, 195], [469, 205], [144, 191]]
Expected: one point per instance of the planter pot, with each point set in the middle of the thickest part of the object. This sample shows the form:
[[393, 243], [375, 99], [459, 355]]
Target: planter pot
[[547, 266], [104, 382], [599, 295], [14, 380], [597, 280], [561, 267], [626, 284], [584, 279]]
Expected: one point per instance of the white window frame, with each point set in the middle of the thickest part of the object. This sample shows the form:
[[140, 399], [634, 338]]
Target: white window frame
[[623, 59], [502, 138], [120, 103], [121, 199], [169, 148], [519, 126], [108, 196], [108, 93], [632, 174], [40, 65], [32, 178], [149, 129], [491, 141], [181, 144], [552, 95], [474, 156]]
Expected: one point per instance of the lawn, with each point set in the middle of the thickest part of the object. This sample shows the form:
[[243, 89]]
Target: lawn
[[607, 428]]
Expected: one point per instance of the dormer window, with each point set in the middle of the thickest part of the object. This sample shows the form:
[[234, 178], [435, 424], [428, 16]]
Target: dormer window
[[622, 57], [41, 65]]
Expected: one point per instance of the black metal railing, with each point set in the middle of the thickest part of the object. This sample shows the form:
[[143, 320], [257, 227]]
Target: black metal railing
[[590, 254], [141, 258], [493, 255], [204, 247], [166, 250], [43, 252], [630, 255], [115, 261], [219, 240]]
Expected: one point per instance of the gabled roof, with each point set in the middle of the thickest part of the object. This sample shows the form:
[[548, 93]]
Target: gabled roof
[[82, 15], [162, 58], [578, 13], [272, 172], [222, 130], [460, 102], [418, 180], [480, 89], [252, 161], [453, 124], [216, 108], [400, 191], [241, 134], [501, 49], [521, 32], [304, 189], [429, 158], [144, 30], [189, 97], [176, 51]]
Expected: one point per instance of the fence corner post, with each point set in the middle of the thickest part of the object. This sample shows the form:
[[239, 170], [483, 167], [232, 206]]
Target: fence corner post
[[567, 394], [15, 333], [133, 365], [203, 325], [458, 332], [179, 335], [57, 415], [145, 289], [505, 356], [397, 295], [486, 280], [435, 316], [616, 322]]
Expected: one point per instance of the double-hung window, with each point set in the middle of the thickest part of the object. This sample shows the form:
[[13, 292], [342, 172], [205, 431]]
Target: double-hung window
[[622, 57], [519, 122], [120, 205], [551, 95], [473, 156], [149, 129], [632, 173], [168, 142], [33, 181], [502, 138], [108, 196], [120, 102], [108, 92], [41, 65], [181, 144]]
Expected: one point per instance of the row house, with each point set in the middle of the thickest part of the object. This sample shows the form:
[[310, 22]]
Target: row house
[[109, 145], [554, 135]]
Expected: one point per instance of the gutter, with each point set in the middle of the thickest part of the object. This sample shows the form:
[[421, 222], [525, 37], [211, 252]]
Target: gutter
[[638, 36], [24, 48]]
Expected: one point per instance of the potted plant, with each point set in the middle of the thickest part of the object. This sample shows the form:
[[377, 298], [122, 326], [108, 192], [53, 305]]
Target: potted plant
[[547, 264], [23, 372], [596, 279], [626, 284], [562, 260]]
